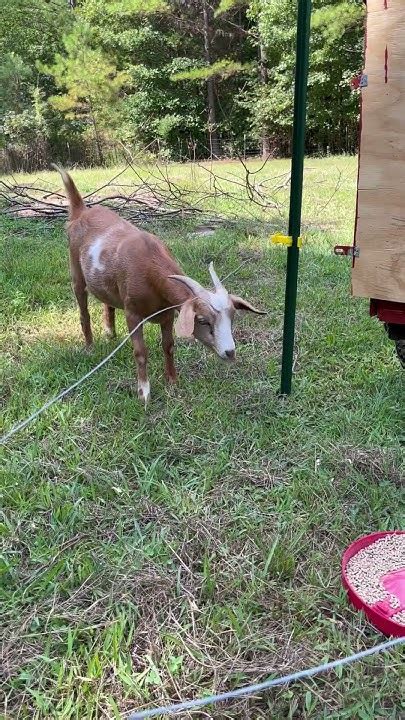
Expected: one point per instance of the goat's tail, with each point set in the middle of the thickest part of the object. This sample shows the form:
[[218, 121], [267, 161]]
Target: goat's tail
[[76, 204]]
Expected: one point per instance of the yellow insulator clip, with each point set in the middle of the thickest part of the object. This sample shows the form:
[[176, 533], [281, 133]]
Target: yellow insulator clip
[[280, 239]]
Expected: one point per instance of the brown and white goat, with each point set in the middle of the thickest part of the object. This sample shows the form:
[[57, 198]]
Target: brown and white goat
[[128, 268]]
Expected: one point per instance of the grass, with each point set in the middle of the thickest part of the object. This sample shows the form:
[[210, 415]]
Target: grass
[[156, 556]]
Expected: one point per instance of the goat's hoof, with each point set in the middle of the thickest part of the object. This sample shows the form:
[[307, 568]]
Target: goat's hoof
[[88, 348], [144, 391]]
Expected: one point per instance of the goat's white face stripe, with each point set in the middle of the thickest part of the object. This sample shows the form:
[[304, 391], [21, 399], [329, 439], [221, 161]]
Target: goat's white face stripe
[[219, 300], [223, 334], [223, 339], [95, 251]]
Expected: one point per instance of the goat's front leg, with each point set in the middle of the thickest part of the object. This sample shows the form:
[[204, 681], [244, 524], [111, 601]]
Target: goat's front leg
[[140, 354], [109, 321], [79, 287], [168, 347]]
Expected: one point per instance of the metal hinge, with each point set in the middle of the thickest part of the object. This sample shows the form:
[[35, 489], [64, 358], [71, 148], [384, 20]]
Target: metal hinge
[[350, 250]]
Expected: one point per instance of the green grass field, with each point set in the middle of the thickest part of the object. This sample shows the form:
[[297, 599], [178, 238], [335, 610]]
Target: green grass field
[[156, 556]]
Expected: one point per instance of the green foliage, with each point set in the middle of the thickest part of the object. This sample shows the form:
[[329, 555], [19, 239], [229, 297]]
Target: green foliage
[[29, 124], [29, 33], [226, 5], [139, 71], [162, 109], [89, 82], [122, 8], [20, 128], [336, 52], [221, 69], [32, 30], [15, 83], [167, 124], [336, 19]]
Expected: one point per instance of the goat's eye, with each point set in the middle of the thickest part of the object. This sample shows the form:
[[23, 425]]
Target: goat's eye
[[202, 320]]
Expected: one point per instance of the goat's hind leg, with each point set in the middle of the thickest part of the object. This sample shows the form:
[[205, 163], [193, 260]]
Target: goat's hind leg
[[140, 354], [109, 321], [79, 287]]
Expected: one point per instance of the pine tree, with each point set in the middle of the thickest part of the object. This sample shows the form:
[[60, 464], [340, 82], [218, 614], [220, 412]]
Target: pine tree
[[89, 82]]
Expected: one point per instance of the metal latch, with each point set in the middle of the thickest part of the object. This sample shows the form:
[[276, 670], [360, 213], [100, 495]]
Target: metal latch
[[360, 81], [349, 250]]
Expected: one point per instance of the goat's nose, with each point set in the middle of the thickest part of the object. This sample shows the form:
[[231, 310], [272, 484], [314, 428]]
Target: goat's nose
[[230, 354]]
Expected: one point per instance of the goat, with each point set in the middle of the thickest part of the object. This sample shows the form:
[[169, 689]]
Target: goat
[[130, 269]]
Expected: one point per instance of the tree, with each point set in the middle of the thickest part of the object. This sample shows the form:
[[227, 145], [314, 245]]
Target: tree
[[90, 84], [147, 46], [220, 61], [175, 74], [227, 6], [264, 79], [16, 82], [27, 33], [336, 51], [336, 47], [212, 116], [33, 30]]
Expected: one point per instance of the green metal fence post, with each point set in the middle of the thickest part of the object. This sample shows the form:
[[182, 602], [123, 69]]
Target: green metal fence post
[[297, 170]]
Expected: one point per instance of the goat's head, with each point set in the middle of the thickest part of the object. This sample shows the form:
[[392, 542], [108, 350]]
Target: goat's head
[[208, 315]]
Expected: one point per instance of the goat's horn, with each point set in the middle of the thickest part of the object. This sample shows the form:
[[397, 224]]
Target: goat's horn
[[192, 285], [214, 277]]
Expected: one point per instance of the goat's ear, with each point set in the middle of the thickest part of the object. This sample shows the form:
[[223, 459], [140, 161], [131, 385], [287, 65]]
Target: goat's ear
[[185, 322], [241, 304]]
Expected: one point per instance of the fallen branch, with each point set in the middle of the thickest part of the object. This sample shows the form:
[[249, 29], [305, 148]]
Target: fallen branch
[[156, 196]]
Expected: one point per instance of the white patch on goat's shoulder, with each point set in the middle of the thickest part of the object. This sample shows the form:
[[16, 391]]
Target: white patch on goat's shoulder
[[144, 390], [95, 251]]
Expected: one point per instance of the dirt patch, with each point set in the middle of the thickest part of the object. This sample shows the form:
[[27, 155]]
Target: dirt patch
[[264, 476], [266, 339], [204, 231], [250, 255]]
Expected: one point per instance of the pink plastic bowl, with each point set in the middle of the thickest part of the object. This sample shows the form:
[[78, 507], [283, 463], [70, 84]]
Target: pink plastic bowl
[[377, 618]]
